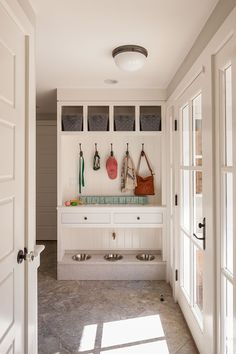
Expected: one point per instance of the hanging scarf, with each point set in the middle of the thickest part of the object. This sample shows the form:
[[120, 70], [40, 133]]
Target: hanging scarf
[[128, 174]]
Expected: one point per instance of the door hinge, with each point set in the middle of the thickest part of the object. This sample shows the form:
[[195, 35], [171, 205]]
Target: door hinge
[[176, 125], [176, 200], [176, 275]]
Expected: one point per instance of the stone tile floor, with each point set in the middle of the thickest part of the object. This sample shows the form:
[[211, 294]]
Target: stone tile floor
[[107, 317]]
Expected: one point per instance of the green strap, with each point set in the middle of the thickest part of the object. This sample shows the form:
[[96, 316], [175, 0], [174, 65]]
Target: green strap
[[83, 184], [81, 174]]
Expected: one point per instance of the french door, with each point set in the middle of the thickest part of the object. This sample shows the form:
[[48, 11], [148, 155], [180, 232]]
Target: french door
[[194, 224], [225, 81]]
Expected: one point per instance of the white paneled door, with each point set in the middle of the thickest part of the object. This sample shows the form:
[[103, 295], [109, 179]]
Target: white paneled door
[[12, 183], [195, 287]]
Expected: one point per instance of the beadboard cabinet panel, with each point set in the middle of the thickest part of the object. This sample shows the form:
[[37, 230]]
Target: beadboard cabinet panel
[[102, 239]]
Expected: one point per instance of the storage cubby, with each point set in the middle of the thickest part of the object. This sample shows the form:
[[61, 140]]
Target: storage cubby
[[72, 118], [98, 118], [124, 118], [150, 118]]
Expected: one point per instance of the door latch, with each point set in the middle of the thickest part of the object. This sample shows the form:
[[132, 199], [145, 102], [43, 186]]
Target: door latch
[[25, 256], [203, 238]]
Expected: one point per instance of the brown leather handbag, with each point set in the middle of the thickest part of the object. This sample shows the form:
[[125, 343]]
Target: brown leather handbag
[[145, 185]]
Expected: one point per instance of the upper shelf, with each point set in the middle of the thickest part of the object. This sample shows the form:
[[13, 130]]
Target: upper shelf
[[117, 118]]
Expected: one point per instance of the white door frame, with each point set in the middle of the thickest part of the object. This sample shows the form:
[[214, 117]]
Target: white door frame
[[171, 148]]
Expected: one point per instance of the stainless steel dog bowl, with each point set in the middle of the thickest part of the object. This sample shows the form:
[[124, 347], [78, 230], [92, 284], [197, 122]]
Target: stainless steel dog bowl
[[145, 257], [80, 257], [113, 257]]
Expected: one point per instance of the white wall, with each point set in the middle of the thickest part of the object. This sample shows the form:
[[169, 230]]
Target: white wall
[[216, 19], [46, 180]]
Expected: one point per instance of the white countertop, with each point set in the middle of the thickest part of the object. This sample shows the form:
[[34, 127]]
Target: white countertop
[[121, 206]]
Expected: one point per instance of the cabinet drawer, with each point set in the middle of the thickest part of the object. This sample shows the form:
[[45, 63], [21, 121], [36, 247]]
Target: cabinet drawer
[[85, 218], [138, 218]]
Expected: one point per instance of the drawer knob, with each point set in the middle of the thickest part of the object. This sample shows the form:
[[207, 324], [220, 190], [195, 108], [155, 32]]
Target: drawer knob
[[85, 218], [138, 217]]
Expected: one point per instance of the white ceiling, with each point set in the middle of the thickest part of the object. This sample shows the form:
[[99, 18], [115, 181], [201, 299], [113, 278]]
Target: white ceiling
[[75, 38]]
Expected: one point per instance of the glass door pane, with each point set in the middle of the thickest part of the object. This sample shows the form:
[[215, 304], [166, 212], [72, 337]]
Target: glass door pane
[[186, 201], [197, 202], [186, 264], [198, 280], [228, 117], [228, 317], [185, 136], [197, 130], [228, 224]]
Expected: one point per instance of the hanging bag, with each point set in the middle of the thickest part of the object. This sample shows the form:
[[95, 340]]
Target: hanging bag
[[96, 159], [145, 185]]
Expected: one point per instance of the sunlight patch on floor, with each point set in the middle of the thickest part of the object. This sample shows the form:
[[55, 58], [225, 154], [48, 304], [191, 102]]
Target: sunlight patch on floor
[[131, 330], [126, 336], [88, 338], [159, 347]]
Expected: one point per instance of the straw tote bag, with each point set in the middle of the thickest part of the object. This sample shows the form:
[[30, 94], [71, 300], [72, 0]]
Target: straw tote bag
[[145, 185]]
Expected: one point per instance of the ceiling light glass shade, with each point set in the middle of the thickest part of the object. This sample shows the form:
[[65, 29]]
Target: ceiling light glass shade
[[130, 58]]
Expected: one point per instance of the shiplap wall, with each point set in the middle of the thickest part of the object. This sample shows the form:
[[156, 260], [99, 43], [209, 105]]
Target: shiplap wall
[[46, 180]]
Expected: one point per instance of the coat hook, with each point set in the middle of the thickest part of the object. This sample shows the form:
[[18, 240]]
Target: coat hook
[[80, 149], [142, 152], [127, 150], [111, 149]]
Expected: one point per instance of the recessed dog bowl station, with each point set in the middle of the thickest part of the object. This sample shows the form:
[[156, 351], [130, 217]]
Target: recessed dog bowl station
[[113, 257], [110, 265], [145, 257], [81, 257]]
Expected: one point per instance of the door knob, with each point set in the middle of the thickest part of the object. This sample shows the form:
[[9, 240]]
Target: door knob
[[25, 256]]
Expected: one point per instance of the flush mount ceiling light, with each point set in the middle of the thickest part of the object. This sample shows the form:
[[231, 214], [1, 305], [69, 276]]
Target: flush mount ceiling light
[[130, 57]]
